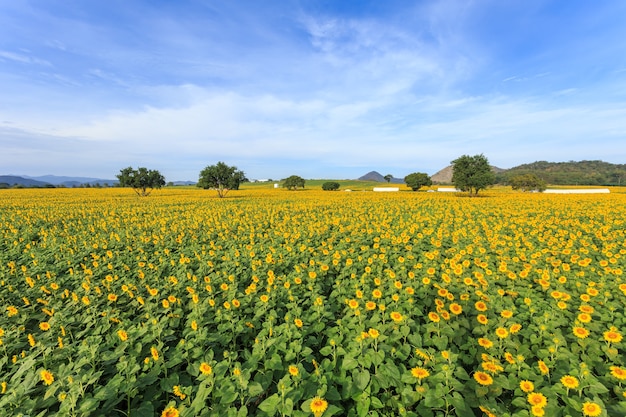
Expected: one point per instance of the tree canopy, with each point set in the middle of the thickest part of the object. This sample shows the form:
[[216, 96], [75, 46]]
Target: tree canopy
[[221, 178], [472, 173], [527, 182], [141, 180], [293, 182], [418, 180], [330, 186]]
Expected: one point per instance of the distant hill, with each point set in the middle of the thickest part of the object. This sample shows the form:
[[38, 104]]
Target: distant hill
[[72, 181], [571, 173], [52, 181], [13, 180], [376, 176]]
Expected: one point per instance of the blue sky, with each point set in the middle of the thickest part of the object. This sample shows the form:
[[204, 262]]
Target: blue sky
[[320, 89]]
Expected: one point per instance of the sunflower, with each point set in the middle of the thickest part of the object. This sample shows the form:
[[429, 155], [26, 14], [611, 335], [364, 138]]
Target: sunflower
[[481, 306], [370, 305], [395, 316], [293, 370], [456, 309], [482, 319], [543, 368], [298, 323], [612, 336], [569, 381], [584, 318], [537, 411], [373, 333], [537, 399], [377, 293], [483, 378], [122, 335], [419, 373], [507, 314], [617, 372], [155, 353], [434, 317], [486, 343], [45, 326], [46, 377], [206, 369], [318, 406], [353, 304], [591, 409], [580, 332], [527, 386], [170, 412], [502, 333], [515, 328]]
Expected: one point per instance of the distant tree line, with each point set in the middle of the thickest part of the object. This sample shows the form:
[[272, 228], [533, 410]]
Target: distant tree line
[[569, 173]]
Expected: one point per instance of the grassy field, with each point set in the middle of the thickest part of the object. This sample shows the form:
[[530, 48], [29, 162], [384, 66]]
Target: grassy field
[[271, 302]]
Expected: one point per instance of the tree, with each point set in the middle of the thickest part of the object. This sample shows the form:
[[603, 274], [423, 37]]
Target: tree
[[221, 178], [527, 182], [330, 186], [141, 180], [472, 173], [293, 182], [418, 180], [388, 177]]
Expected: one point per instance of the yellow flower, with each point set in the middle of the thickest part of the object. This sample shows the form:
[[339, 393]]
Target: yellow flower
[[482, 319], [527, 386], [481, 306], [569, 381], [112, 297], [591, 409], [502, 333], [456, 309], [612, 336], [617, 372], [373, 333], [206, 369], [155, 353], [580, 332], [318, 406], [46, 377], [543, 368], [434, 317], [483, 378], [170, 412], [45, 326], [122, 335], [537, 399], [353, 304], [293, 370], [486, 343], [298, 323], [395, 316], [537, 411], [419, 373]]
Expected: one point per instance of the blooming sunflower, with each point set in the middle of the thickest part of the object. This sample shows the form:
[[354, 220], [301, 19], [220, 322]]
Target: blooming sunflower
[[318, 406], [456, 309], [617, 372], [434, 317], [420, 373], [170, 412], [569, 381], [483, 378], [527, 386], [293, 370], [580, 332], [502, 333], [612, 336], [206, 369], [591, 409], [395, 316], [537, 399], [46, 377]]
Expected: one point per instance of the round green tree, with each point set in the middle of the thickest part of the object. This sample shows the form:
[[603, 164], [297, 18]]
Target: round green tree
[[221, 178], [293, 182], [418, 180], [141, 180], [472, 173]]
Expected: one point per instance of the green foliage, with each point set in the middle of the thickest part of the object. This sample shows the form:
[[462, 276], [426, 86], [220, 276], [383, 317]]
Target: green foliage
[[141, 180], [527, 182], [418, 180], [330, 186], [472, 173], [293, 182], [388, 177], [221, 178], [570, 173]]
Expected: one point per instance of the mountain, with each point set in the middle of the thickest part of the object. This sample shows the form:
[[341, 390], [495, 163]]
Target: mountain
[[71, 181], [12, 180], [571, 173], [376, 176]]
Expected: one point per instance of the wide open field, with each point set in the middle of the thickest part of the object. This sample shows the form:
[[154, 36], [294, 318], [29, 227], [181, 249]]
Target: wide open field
[[377, 303]]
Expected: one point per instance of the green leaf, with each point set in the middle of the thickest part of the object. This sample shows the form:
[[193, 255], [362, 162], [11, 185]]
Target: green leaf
[[270, 405], [363, 407], [146, 409], [361, 379], [349, 363]]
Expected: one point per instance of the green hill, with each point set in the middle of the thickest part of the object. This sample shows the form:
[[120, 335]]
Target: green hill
[[570, 173]]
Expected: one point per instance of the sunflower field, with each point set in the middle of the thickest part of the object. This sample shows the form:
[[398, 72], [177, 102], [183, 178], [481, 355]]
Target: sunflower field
[[311, 303]]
